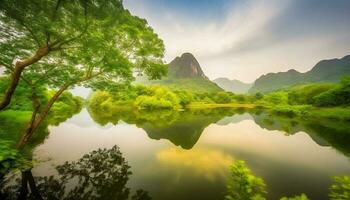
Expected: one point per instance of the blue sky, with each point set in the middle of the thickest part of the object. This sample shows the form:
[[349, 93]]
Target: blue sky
[[244, 39]]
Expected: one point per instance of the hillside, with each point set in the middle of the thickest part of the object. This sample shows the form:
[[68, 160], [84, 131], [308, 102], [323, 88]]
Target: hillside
[[324, 71], [185, 73], [234, 86]]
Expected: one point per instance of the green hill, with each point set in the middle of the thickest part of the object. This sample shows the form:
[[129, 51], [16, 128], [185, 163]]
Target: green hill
[[326, 71], [185, 73]]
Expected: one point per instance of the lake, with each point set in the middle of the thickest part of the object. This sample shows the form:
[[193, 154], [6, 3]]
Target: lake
[[186, 155]]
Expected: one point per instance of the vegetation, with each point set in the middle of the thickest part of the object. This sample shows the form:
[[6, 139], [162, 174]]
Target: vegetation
[[99, 48], [107, 178], [187, 84], [311, 100], [340, 189], [160, 97], [48, 47], [298, 197], [242, 184], [325, 71]]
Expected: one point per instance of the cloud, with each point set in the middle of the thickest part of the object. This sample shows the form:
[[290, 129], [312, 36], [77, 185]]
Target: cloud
[[202, 162], [250, 37]]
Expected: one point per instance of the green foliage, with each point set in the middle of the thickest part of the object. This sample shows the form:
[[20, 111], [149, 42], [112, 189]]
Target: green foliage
[[258, 96], [99, 175], [222, 97], [198, 85], [299, 197], [159, 98], [275, 98], [340, 189], [304, 94], [149, 98], [334, 113], [243, 185], [326, 71], [64, 108], [10, 158], [185, 97], [291, 111], [22, 98], [77, 31], [338, 96]]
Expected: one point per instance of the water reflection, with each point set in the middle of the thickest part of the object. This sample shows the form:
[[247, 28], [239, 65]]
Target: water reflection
[[181, 128], [173, 154], [185, 128], [322, 131], [101, 174], [210, 164]]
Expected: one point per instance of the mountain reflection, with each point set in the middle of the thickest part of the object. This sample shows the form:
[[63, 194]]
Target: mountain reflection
[[181, 128], [185, 128], [322, 131], [100, 174]]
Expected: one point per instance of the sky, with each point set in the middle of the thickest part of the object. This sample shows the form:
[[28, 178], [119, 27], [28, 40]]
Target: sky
[[243, 39]]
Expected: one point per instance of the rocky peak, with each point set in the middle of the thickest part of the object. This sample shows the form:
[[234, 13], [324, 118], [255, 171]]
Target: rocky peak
[[186, 66]]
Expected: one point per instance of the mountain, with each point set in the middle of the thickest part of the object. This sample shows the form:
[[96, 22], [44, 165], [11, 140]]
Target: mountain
[[186, 66], [185, 73], [234, 86], [324, 71]]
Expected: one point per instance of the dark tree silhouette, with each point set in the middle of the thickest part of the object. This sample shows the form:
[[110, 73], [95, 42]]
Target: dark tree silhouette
[[101, 174]]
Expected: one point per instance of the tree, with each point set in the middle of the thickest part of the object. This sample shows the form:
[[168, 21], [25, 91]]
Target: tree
[[41, 31], [340, 189], [243, 185], [104, 58], [100, 174]]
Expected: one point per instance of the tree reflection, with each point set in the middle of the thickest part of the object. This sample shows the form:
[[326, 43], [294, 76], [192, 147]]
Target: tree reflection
[[101, 174], [324, 132], [181, 128]]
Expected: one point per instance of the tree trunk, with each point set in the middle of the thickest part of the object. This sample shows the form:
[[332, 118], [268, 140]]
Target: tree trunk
[[36, 120], [16, 75], [24, 187], [33, 189]]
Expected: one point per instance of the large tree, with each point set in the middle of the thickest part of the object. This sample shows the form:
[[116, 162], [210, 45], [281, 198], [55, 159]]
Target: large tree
[[42, 32], [110, 45]]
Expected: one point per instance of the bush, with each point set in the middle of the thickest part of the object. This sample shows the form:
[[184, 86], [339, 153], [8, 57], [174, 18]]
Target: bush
[[340, 189], [162, 98], [222, 97], [243, 184], [291, 111], [185, 97], [276, 98], [305, 94]]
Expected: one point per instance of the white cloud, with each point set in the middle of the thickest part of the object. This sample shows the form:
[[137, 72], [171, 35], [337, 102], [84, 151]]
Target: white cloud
[[240, 45]]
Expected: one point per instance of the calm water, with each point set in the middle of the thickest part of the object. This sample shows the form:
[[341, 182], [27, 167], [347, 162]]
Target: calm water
[[186, 155]]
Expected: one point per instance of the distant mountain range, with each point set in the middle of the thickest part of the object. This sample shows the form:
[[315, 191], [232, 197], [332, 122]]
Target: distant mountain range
[[185, 73], [234, 85], [324, 71]]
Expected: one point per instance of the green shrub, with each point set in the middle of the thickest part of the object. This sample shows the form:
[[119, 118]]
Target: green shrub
[[291, 111], [340, 189], [222, 97], [338, 96], [305, 94], [243, 184], [275, 98]]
